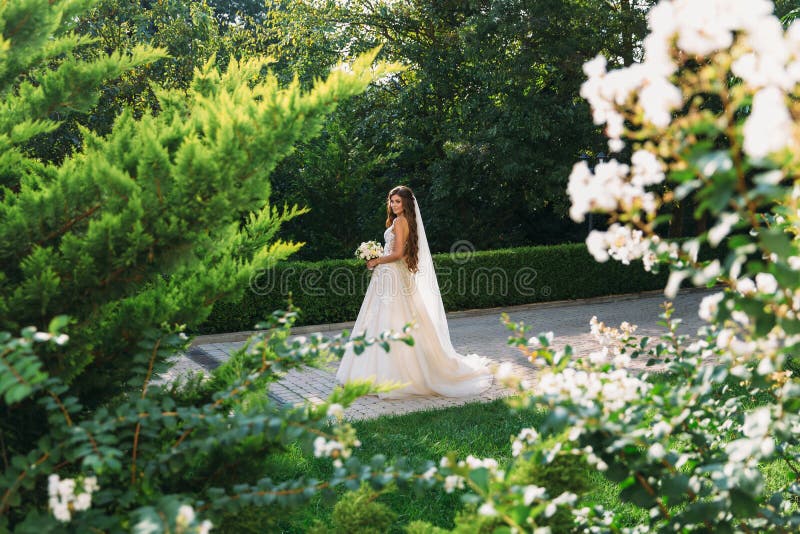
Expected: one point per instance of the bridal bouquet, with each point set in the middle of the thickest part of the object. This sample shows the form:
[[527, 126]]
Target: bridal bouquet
[[369, 250]]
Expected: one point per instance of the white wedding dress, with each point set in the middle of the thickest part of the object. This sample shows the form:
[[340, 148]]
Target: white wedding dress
[[431, 366]]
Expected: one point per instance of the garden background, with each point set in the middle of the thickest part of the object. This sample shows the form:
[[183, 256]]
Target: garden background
[[157, 155]]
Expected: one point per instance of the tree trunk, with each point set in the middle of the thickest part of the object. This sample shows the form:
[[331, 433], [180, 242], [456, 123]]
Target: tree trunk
[[627, 18], [676, 223]]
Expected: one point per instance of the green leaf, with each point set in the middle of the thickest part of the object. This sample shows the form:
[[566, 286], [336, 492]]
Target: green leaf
[[637, 495], [480, 477], [675, 487], [777, 241], [743, 504]]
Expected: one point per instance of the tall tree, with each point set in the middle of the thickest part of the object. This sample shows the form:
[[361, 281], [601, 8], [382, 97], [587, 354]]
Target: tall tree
[[486, 121], [140, 230]]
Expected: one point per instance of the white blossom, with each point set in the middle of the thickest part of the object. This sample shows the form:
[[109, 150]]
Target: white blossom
[[42, 336], [595, 67], [705, 26], [658, 98], [476, 463], [146, 526], [596, 245], [324, 448], [52, 484], [745, 286], [658, 54], [765, 65], [335, 410], [599, 357], [646, 168], [551, 453], [769, 127], [453, 482], [62, 499], [765, 366], [616, 145], [60, 510], [708, 273], [610, 390], [83, 501], [185, 515], [90, 484], [757, 441], [766, 283], [674, 283], [66, 488], [533, 493], [709, 306], [722, 228], [566, 498], [619, 242], [504, 371], [487, 509], [656, 452], [525, 436]]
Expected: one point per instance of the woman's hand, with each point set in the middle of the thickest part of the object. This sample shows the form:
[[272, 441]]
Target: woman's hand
[[371, 264]]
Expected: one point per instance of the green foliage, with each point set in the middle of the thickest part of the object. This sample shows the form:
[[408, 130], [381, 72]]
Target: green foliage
[[409, 440], [484, 99], [358, 512], [690, 447], [141, 227], [561, 474], [331, 291], [154, 452], [115, 249], [484, 124], [423, 527]]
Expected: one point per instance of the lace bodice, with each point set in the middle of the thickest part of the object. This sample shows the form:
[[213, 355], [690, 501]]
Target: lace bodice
[[388, 238]]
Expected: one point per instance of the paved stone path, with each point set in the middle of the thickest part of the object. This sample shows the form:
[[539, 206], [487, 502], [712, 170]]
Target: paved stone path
[[478, 331]]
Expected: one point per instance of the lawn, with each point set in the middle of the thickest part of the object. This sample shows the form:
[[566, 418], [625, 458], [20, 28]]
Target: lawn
[[483, 430]]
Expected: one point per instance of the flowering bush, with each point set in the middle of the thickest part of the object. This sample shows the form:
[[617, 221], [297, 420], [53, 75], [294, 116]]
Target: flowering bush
[[710, 114], [152, 462], [106, 257]]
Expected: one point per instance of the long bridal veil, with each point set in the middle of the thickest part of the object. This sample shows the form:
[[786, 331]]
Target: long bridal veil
[[428, 286]]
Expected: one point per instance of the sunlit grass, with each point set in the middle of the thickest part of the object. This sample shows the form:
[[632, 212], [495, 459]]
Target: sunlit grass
[[482, 430]]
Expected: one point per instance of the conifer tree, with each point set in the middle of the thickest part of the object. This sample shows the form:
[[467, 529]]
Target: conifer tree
[[138, 233]]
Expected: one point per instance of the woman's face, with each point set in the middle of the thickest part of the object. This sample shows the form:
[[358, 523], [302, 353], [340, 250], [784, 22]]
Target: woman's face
[[396, 204]]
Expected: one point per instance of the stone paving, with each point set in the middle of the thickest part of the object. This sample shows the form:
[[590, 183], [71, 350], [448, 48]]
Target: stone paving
[[472, 331]]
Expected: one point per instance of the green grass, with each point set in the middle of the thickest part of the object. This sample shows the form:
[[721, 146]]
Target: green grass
[[483, 430], [480, 429]]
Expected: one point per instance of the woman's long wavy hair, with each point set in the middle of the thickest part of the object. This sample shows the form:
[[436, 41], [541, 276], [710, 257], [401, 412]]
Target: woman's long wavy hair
[[412, 244]]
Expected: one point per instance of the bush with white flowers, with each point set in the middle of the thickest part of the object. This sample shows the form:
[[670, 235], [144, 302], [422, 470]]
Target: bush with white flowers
[[148, 464], [711, 113]]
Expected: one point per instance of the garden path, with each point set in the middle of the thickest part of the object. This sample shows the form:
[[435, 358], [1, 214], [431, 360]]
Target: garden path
[[478, 331]]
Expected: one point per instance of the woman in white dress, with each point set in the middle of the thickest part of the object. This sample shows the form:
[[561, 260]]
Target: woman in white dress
[[403, 288]]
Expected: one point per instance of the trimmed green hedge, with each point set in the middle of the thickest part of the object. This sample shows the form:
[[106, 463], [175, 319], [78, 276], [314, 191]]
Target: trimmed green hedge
[[332, 291]]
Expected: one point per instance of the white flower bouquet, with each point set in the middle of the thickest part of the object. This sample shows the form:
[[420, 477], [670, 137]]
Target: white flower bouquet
[[369, 250]]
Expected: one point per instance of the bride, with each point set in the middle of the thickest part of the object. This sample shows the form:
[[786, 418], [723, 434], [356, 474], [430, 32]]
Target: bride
[[403, 288]]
